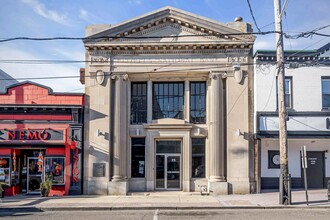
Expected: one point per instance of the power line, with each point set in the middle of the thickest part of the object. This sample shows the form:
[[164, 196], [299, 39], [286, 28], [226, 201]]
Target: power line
[[308, 34], [109, 74], [251, 12], [128, 37]]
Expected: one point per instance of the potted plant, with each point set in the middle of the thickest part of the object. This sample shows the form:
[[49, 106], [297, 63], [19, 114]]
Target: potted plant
[[46, 185]]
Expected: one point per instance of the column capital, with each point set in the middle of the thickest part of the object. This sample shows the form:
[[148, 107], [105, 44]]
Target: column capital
[[217, 74], [123, 76]]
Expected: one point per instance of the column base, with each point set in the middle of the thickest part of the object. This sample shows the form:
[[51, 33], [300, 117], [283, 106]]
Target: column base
[[217, 179], [218, 188], [118, 188]]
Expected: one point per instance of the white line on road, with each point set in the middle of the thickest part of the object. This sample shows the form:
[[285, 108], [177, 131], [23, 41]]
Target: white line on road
[[156, 214]]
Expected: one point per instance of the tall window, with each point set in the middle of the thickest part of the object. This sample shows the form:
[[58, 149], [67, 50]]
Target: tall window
[[197, 102], [325, 93], [287, 93], [168, 100], [138, 103], [198, 158], [138, 157]]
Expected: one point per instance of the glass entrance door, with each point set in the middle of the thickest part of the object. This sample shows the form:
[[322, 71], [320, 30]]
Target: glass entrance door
[[168, 165], [168, 172], [34, 175]]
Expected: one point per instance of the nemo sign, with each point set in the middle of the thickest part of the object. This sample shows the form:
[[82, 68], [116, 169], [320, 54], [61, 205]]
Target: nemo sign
[[27, 135]]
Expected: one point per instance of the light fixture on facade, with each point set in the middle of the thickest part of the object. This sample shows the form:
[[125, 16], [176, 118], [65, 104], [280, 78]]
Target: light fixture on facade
[[137, 132], [98, 133], [238, 132]]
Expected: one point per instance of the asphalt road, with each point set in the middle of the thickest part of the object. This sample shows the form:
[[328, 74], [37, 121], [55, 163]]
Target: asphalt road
[[243, 214]]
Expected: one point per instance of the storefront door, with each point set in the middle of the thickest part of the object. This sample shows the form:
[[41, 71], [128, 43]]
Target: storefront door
[[34, 175], [315, 169], [168, 165]]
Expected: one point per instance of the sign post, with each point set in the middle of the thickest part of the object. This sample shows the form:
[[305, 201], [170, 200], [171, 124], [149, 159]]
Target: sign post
[[304, 166]]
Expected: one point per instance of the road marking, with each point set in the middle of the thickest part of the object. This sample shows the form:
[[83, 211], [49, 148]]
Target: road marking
[[156, 214]]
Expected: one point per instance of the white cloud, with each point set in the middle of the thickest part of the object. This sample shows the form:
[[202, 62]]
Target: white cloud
[[135, 2], [83, 14], [41, 10], [28, 71]]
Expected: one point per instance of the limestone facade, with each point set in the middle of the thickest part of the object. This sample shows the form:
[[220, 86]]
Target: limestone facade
[[176, 47]]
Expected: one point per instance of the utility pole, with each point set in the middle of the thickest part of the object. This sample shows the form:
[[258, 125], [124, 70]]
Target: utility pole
[[285, 186]]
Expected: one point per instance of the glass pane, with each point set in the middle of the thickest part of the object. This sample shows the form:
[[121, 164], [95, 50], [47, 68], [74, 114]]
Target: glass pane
[[287, 86], [326, 101], [197, 102], [288, 101], [325, 86], [5, 170], [168, 147], [160, 171], [173, 172], [54, 166], [168, 103], [138, 103], [138, 157], [198, 158], [34, 175]]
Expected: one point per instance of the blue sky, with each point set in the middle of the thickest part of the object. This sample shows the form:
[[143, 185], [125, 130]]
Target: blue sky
[[50, 18]]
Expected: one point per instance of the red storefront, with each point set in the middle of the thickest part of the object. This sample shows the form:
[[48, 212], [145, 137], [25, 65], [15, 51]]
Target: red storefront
[[41, 135]]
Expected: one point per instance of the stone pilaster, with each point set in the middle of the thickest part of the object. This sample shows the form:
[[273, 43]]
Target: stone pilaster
[[120, 129], [149, 102], [216, 136]]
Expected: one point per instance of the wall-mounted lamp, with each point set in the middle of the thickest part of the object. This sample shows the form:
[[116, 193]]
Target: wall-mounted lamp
[[137, 132], [98, 133], [238, 132]]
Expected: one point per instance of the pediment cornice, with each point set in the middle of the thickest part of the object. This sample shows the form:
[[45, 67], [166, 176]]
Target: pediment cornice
[[131, 30]]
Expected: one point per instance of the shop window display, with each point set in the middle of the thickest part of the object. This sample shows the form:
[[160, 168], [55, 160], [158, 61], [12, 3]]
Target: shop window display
[[5, 170], [54, 167]]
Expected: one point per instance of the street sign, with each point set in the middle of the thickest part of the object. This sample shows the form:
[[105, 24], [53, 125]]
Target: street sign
[[304, 166]]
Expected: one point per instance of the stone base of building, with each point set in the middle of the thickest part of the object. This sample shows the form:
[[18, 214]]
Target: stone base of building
[[218, 188], [118, 188], [96, 187], [239, 186]]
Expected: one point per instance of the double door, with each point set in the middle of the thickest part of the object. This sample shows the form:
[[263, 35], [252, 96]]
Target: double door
[[168, 175]]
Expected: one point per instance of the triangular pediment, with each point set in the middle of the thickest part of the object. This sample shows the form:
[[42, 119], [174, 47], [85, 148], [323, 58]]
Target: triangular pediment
[[161, 25], [169, 32]]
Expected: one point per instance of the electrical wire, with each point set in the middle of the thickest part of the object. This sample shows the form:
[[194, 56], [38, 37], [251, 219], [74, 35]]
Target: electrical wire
[[228, 65], [254, 19], [308, 34], [127, 37]]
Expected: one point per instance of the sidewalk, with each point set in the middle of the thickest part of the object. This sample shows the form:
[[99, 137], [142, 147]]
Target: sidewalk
[[163, 200]]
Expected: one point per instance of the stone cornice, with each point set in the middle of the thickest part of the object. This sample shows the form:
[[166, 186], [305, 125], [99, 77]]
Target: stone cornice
[[168, 126], [188, 21], [170, 48]]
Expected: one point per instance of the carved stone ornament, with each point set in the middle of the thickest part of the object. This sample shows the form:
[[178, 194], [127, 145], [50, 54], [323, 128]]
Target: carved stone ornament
[[100, 77]]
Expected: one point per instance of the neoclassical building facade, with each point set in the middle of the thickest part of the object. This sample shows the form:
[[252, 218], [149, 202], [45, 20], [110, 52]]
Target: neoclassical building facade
[[169, 105]]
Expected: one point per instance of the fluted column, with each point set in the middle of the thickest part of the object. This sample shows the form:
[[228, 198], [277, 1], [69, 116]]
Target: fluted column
[[120, 129], [216, 135]]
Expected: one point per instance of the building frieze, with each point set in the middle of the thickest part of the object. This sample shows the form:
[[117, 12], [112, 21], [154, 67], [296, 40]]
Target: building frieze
[[102, 59]]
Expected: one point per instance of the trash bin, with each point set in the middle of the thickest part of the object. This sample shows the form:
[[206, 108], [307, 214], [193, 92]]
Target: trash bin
[[329, 190]]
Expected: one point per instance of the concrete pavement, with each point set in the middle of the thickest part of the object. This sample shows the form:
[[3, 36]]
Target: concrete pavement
[[163, 200]]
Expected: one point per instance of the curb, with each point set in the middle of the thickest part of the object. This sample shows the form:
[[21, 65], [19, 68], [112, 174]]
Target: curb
[[124, 208]]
